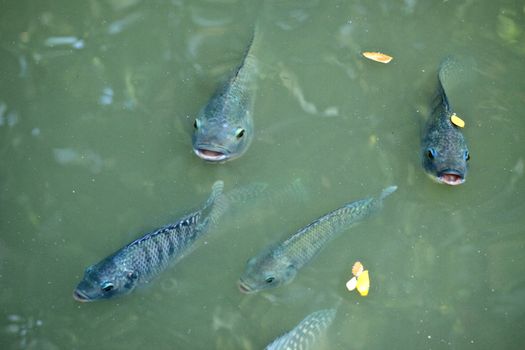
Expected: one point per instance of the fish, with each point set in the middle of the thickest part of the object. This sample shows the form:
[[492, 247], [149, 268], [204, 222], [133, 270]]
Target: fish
[[223, 129], [141, 260], [444, 151], [305, 335], [278, 264]]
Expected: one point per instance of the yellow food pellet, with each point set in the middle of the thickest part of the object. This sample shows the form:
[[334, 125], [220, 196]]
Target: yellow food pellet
[[357, 269], [377, 56], [351, 284], [457, 121], [363, 283]]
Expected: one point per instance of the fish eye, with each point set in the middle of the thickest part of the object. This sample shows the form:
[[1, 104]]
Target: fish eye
[[196, 124], [269, 280], [107, 286], [431, 153], [239, 132], [467, 155]]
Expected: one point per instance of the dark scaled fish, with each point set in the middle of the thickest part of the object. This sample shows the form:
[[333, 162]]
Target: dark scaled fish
[[223, 129], [444, 150], [278, 264], [306, 334], [141, 260]]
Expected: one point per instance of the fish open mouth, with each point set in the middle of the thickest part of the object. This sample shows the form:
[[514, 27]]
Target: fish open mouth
[[79, 296], [244, 288], [451, 177], [210, 155]]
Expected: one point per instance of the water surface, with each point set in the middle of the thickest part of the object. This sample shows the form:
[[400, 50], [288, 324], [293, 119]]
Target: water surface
[[97, 102]]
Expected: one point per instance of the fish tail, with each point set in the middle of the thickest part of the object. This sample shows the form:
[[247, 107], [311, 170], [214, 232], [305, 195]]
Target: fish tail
[[443, 71], [298, 190], [452, 73], [248, 59], [216, 191], [215, 205], [220, 205], [387, 192], [246, 193]]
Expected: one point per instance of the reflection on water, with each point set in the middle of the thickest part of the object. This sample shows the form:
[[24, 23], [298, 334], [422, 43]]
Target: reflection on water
[[96, 109]]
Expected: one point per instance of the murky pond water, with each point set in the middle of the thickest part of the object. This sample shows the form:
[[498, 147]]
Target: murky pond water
[[97, 104]]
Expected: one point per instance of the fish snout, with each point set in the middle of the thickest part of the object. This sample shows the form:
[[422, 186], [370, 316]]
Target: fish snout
[[210, 155], [81, 297], [451, 177], [211, 151], [244, 288]]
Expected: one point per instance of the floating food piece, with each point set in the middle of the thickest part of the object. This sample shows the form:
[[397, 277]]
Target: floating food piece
[[350, 285], [363, 283], [457, 121], [378, 56], [357, 269]]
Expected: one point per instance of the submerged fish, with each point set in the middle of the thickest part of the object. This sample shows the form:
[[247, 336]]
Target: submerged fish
[[141, 260], [306, 333], [278, 264], [444, 149], [223, 129]]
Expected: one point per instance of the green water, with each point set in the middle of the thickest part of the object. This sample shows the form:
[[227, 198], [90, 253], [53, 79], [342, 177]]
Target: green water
[[97, 100]]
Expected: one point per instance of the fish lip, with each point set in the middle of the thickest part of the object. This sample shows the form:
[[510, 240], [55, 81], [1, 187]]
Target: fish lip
[[244, 288], [210, 153], [451, 177], [81, 297]]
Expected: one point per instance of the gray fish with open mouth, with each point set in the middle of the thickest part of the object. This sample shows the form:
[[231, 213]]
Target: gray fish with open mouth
[[279, 264], [305, 335], [141, 260], [444, 150], [223, 129]]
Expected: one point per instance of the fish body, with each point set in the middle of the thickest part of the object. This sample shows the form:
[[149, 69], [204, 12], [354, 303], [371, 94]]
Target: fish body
[[278, 264], [305, 335], [141, 260], [444, 150], [223, 129]]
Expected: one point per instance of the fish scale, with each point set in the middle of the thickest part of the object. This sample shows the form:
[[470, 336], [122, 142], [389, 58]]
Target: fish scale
[[151, 254], [303, 245], [306, 333]]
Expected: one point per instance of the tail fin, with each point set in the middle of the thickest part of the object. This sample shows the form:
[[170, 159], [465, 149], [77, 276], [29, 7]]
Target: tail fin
[[453, 72], [216, 191], [444, 74], [248, 59], [295, 190], [387, 192], [214, 206], [245, 193]]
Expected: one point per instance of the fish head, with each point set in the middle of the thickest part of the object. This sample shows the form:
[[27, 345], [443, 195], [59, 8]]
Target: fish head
[[265, 271], [445, 157], [103, 281], [220, 140]]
